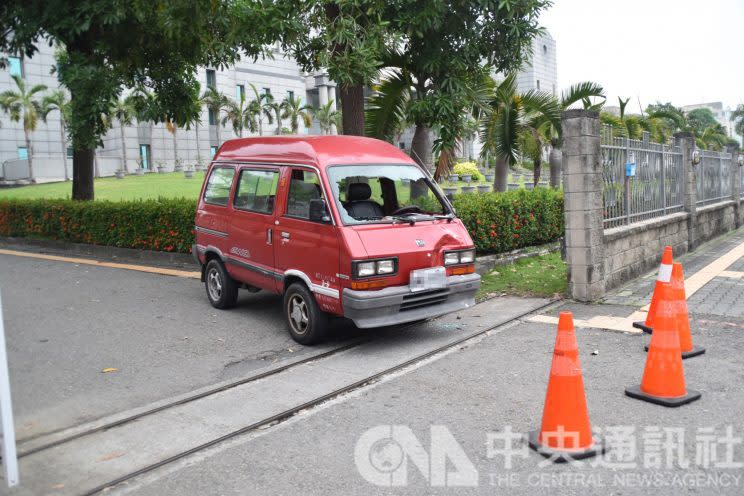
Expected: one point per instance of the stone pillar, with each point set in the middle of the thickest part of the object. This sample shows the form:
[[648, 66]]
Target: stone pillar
[[322, 95], [582, 186], [686, 142], [334, 106], [736, 183]]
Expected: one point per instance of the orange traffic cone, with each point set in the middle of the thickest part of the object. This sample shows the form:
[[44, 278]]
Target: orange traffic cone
[[565, 433], [682, 316], [663, 380], [665, 274]]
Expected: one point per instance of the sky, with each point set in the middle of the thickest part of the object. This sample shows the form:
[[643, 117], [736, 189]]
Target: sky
[[681, 51]]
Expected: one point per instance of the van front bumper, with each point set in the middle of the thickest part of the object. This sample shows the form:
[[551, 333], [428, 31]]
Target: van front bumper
[[398, 305]]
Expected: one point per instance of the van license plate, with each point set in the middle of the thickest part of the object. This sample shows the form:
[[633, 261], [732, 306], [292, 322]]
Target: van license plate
[[427, 279]]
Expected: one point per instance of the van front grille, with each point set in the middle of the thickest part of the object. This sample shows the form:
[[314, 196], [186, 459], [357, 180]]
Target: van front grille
[[424, 299]]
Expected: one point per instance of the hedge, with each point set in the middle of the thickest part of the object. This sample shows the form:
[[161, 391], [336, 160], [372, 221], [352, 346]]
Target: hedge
[[162, 225], [500, 222], [497, 222]]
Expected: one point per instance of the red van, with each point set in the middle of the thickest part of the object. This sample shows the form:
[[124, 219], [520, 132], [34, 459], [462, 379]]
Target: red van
[[339, 225]]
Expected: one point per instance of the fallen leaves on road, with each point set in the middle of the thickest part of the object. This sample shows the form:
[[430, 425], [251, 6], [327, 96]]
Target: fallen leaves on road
[[111, 456], [109, 369]]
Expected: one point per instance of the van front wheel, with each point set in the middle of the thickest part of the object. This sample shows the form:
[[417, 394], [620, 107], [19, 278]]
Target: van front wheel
[[307, 323], [222, 290]]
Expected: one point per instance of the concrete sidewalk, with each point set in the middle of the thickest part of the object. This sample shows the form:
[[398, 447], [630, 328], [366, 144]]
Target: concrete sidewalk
[[473, 398]]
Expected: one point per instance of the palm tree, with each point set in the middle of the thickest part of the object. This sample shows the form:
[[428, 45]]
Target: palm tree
[[713, 136], [22, 104], [327, 117], [123, 111], [510, 114], [239, 115], [57, 100], [580, 92], [276, 109], [260, 107], [215, 102], [737, 116], [294, 110]]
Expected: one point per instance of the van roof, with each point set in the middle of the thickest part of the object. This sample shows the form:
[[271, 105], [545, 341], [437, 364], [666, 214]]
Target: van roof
[[312, 150]]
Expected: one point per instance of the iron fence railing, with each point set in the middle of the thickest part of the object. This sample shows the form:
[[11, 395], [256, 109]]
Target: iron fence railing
[[642, 179], [713, 177]]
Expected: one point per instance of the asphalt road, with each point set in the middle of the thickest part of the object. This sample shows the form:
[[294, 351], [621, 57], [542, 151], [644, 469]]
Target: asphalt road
[[65, 323]]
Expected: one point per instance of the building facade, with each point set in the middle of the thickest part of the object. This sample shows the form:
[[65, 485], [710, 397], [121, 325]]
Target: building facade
[[145, 144], [541, 72]]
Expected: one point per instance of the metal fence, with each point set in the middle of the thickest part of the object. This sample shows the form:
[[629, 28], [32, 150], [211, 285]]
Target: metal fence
[[642, 180], [714, 177]]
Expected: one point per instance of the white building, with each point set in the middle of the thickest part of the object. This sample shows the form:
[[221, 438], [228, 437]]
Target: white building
[[541, 72], [147, 144]]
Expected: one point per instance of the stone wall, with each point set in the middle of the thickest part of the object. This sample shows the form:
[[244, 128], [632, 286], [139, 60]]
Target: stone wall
[[714, 220], [599, 259], [631, 251]]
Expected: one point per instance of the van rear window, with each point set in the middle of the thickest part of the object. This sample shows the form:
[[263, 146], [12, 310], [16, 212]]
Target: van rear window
[[217, 191]]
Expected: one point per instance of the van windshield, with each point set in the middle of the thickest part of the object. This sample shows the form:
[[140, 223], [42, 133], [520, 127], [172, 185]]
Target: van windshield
[[385, 193]]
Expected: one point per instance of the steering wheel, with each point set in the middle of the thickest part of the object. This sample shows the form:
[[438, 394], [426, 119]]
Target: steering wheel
[[410, 209]]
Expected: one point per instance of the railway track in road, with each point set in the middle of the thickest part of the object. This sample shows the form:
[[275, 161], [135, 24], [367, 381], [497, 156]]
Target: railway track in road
[[151, 420]]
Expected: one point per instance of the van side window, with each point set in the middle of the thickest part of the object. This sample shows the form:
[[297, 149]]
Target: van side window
[[256, 190], [217, 191], [303, 187]]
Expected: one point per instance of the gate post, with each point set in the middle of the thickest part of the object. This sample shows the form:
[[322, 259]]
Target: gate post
[[686, 142], [736, 184], [583, 204]]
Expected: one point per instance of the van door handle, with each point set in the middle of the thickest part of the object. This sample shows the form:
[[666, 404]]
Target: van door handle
[[285, 235], [269, 233]]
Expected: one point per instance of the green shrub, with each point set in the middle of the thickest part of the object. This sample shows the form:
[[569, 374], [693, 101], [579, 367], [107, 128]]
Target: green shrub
[[164, 224], [497, 222], [467, 168], [500, 222]]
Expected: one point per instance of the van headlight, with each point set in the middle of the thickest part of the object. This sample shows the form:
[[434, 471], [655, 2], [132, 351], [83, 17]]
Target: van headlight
[[371, 268], [459, 257]]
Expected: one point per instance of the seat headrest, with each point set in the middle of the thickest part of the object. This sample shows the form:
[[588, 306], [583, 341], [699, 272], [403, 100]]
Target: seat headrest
[[359, 192]]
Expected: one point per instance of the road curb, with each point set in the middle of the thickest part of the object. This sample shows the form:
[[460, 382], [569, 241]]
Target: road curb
[[148, 257]]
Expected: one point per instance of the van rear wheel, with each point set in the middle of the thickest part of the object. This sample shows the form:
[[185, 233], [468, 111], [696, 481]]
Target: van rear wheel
[[306, 322], [222, 290]]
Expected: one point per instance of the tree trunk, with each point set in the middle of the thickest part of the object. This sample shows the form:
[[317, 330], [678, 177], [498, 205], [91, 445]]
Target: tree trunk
[[198, 146], [352, 110], [175, 149], [123, 149], [63, 140], [536, 170], [82, 174], [502, 173], [421, 147], [556, 161], [29, 155], [260, 125]]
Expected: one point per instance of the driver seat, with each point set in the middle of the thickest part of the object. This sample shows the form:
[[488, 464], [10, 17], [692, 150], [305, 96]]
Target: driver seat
[[359, 203]]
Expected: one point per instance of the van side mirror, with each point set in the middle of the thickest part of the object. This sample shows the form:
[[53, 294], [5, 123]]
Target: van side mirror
[[318, 211]]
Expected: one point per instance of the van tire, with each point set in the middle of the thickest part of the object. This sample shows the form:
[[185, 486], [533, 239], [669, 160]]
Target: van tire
[[222, 290], [306, 322]]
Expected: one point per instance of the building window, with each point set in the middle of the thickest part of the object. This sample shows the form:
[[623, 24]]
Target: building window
[[239, 92], [213, 150], [545, 48], [211, 79], [212, 113], [69, 152], [22, 152], [144, 151], [267, 91], [290, 95], [538, 84], [402, 145], [15, 66]]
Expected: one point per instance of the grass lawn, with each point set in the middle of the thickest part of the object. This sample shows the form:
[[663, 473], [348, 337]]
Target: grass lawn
[[171, 185], [536, 276]]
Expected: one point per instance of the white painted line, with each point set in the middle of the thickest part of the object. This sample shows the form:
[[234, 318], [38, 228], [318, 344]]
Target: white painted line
[[10, 460]]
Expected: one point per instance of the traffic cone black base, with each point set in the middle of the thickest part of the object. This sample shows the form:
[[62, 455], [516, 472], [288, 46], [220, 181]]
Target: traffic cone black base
[[563, 456], [635, 392], [695, 351], [642, 326]]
